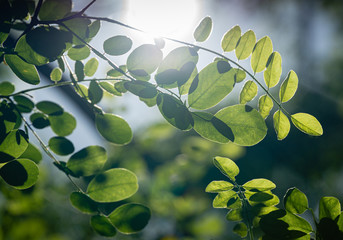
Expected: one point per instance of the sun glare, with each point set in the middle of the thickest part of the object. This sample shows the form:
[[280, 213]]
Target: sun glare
[[171, 18]]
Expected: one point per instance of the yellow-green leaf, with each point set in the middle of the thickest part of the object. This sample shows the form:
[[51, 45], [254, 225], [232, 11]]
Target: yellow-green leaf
[[227, 167], [203, 30], [218, 186], [281, 125], [56, 74], [231, 38], [91, 66], [249, 91], [261, 53], [307, 124], [288, 87], [245, 45], [265, 105], [273, 71]]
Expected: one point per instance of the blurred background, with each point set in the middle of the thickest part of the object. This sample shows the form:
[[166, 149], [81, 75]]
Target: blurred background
[[174, 167]]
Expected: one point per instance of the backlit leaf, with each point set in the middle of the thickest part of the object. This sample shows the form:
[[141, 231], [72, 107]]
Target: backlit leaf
[[241, 229], [211, 85], [103, 226], [288, 87], [54, 9], [246, 124], [218, 186], [248, 92], [91, 66], [329, 207], [245, 45], [117, 45], [39, 120], [25, 71], [6, 88], [61, 146], [93, 28], [32, 153], [95, 93], [240, 75], [25, 51], [63, 124], [261, 53], [113, 128], [141, 89], [227, 167], [203, 30], [259, 184], [79, 70], [227, 199], [83, 203], [273, 72], [113, 185], [281, 124], [235, 215], [49, 108], [265, 105], [108, 87], [13, 145], [130, 218], [24, 104], [116, 73], [56, 74], [307, 124], [80, 27], [20, 173], [295, 201], [231, 38], [88, 161], [79, 52]]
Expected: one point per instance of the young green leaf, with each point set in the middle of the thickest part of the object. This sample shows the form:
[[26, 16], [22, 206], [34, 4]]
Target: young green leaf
[[235, 215], [79, 52], [24, 104], [88, 161], [80, 26], [203, 30], [103, 226], [115, 73], [245, 45], [56, 74], [63, 125], [241, 229], [13, 145], [6, 88], [25, 71], [260, 55], [259, 184], [91, 66], [95, 93], [113, 128], [54, 9], [113, 185], [218, 186], [265, 105], [295, 201], [117, 45], [248, 92], [281, 124], [79, 71], [240, 75], [61, 146], [83, 203], [49, 108], [211, 85], [227, 167], [228, 200], [93, 29], [130, 218], [20, 173], [108, 87], [264, 198], [329, 207], [273, 72], [246, 124], [141, 89], [288, 87], [231, 38], [307, 124], [32, 153]]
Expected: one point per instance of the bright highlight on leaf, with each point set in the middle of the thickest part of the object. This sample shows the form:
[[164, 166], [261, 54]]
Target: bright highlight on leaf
[[218, 186], [295, 201], [227, 167], [281, 124], [248, 93], [203, 30], [261, 53], [91, 66], [307, 124], [245, 45], [265, 105], [273, 72], [259, 184], [288, 87], [231, 38], [25, 71]]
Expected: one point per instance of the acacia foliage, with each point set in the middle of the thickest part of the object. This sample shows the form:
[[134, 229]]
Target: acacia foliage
[[184, 94]]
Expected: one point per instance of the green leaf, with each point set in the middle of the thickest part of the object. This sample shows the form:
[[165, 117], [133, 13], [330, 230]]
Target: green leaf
[[95, 93], [173, 110], [226, 166], [24, 104], [307, 124], [20, 173], [184, 89], [25, 51], [6, 88], [235, 215], [80, 26], [265, 105], [130, 218], [241, 229], [25, 71], [39, 120], [91, 66], [245, 45], [288, 87], [9, 119], [141, 89], [113, 128], [211, 128], [231, 38], [203, 30], [54, 9], [211, 85], [88, 161], [116, 73], [83, 203], [248, 92], [259, 184], [295, 201], [117, 45], [79, 71], [32, 153], [177, 67], [218, 186], [103, 226], [266, 198], [49, 108], [227, 199], [94, 28], [281, 124], [240, 75], [82, 90], [108, 87], [144, 60], [329, 207], [56, 74], [247, 125], [61, 146], [13, 145], [273, 71], [113, 185], [61, 64], [260, 55], [79, 52], [63, 125]]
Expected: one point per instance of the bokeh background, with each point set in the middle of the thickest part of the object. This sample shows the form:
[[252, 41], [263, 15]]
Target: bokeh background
[[174, 167]]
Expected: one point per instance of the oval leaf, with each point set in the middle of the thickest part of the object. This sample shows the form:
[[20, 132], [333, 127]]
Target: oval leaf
[[295, 201], [13, 145], [307, 124], [95, 92], [49, 108], [103, 226], [235, 215], [32, 153], [259, 184], [117, 45], [203, 30], [6, 88], [63, 125], [329, 207], [288, 87], [265, 105], [113, 128], [61, 146], [83, 203], [249, 91], [227, 167], [231, 38], [227, 199], [281, 124], [130, 218], [260, 55], [245, 45], [218, 186], [79, 52], [56, 74], [91, 66], [54, 9], [273, 71], [24, 104], [141, 89], [113, 185], [241, 229]]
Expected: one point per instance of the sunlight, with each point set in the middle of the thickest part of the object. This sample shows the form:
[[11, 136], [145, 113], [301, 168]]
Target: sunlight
[[163, 17]]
